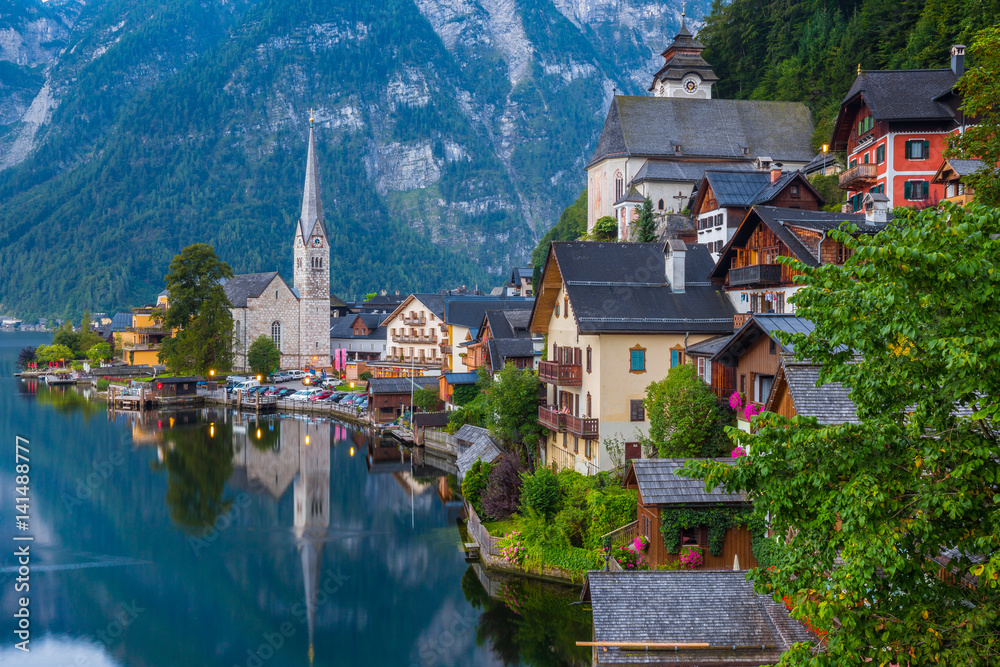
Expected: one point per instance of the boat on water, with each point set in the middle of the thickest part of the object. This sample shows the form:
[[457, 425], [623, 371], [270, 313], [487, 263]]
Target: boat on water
[[59, 378]]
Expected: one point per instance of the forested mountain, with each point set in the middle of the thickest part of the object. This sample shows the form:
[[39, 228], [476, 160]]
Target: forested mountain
[[810, 50], [450, 134]]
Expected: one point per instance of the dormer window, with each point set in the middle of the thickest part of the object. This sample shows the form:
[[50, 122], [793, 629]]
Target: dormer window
[[794, 191]]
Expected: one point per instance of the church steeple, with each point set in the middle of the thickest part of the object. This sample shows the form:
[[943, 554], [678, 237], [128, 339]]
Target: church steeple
[[312, 249], [684, 73], [312, 206]]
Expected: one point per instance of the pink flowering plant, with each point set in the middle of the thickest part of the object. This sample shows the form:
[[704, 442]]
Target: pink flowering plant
[[750, 410], [738, 451], [691, 557], [512, 548], [640, 543], [629, 557], [736, 401]]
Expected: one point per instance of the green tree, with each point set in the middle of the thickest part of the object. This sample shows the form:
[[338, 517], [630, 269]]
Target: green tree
[[512, 410], [98, 353], [681, 410], [980, 88], [263, 356], [426, 399], [605, 229], [540, 492], [199, 311], [910, 325], [645, 228], [55, 352]]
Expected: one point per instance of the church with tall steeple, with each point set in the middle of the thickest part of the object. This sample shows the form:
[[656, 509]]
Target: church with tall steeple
[[684, 73], [297, 316]]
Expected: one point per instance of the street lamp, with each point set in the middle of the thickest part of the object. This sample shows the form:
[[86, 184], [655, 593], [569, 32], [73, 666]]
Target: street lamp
[[826, 148]]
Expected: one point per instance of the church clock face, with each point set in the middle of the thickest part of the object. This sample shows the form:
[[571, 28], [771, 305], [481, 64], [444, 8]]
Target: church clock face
[[690, 85], [317, 242]]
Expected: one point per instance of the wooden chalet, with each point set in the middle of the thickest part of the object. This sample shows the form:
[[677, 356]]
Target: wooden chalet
[[952, 174], [660, 487], [747, 268], [175, 387], [688, 618], [795, 392], [725, 197], [502, 337], [390, 397]]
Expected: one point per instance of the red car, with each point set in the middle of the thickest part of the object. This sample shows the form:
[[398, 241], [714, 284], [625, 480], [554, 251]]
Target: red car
[[321, 396]]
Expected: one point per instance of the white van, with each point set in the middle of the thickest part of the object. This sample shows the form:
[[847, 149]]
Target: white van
[[296, 374], [243, 386]]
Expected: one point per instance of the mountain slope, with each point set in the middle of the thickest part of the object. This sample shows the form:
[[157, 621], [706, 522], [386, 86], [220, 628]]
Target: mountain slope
[[451, 135]]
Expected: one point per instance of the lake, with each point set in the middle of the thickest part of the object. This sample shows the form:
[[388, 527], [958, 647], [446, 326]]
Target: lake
[[206, 537]]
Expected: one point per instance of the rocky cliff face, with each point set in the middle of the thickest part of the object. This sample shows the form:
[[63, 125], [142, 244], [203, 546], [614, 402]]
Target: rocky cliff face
[[460, 126]]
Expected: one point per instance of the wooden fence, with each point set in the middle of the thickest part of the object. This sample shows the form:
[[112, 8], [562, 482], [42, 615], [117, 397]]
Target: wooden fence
[[487, 543], [622, 537], [440, 440]]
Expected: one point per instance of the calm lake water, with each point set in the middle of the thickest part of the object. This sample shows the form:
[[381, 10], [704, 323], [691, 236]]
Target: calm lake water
[[209, 538]]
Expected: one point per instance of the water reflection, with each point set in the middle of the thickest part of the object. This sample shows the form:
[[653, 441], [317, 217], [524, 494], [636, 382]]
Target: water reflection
[[226, 529]]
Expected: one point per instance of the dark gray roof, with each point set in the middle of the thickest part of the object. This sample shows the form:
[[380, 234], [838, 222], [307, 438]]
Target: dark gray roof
[[462, 378], [743, 189], [522, 273], [477, 444], [468, 311], [632, 196], [622, 287], [247, 285], [830, 403], [652, 126], [343, 327], [716, 607], [659, 484], [399, 385], [708, 347], [683, 171], [434, 302], [121, 321], [757, 325], [907, 94], [818, 163], [502, 349], [780, 221]]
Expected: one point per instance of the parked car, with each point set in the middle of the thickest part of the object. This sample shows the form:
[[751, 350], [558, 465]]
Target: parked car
[[284, 392], [296, 374], [244, 386], [320, 396]]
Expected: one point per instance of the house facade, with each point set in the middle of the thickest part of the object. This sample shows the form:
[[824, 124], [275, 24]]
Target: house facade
[[361, 334], [415, 329], [142, 339], [747, 268], [503, 337], [661, 489], [894, 126], [617, 317], [725, 197]]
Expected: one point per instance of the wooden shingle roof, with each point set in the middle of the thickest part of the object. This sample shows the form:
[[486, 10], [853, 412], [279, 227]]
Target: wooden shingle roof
[[714, 607], [659, 484]]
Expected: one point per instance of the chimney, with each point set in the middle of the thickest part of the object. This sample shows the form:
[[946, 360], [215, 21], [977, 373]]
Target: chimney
[[876, 208], [776, 171], [675, 253], [958, 59]]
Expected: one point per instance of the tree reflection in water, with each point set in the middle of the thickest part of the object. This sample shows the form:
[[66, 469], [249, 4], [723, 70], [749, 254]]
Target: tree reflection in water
[[198, 465], [530, 622]]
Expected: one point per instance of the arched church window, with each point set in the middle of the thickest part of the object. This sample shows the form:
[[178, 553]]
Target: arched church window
[[276, 333], [619, 185], [660, 205]]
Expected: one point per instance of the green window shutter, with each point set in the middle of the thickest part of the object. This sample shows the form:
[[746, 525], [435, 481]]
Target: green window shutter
[[909, 150], [925, 189], [907, 190], [675, 358], [854, 163], [866, 158], [927, 150]]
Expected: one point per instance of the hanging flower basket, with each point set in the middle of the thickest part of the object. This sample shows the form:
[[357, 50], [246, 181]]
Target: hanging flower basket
[[691, 557]]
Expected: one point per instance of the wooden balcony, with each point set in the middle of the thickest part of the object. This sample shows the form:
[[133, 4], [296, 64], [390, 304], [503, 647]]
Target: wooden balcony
[[562, 375], [583, 427], [414, 321], [739, 319], [755, 274], [858, 176], [551, 419]]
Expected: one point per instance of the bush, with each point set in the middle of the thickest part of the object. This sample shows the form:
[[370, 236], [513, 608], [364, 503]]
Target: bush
[[629, 558], [540, 492], [367, 375], [609, 509], [605, 229], [572, 523], [102, 385], [502, 496], [682, 410], [474, 484]]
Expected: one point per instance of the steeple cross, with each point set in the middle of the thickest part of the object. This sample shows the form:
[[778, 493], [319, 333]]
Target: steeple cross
[[310, 116], [683, 9]]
